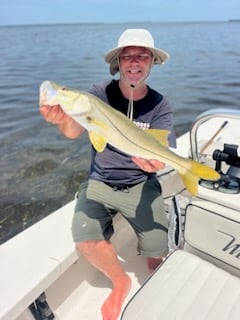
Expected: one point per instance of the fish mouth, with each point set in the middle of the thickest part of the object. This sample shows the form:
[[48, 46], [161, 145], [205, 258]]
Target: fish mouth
[[47, 91]]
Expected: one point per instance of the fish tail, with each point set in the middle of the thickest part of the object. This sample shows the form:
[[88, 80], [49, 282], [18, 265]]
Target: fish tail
[[194, 173]]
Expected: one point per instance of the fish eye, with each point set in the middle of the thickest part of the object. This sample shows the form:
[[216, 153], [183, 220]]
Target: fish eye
[[89, 119]]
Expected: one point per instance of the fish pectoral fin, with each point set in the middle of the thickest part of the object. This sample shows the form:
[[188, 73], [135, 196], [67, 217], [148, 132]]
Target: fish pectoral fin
[[160, 135], [97, 140]]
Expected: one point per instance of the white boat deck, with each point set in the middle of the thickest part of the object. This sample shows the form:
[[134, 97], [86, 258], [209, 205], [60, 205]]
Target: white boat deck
[[87, 288], [50, 261]]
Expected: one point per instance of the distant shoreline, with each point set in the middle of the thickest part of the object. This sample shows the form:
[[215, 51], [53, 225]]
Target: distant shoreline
[[116, 23], [234, 20]]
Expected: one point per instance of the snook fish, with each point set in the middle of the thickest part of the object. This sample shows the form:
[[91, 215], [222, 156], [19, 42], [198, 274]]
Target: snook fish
[[107, 125]]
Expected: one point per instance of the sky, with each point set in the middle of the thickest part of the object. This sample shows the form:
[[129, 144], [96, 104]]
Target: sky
[[20, 12]]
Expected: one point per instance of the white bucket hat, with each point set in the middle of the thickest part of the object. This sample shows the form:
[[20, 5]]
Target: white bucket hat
[[135, 38]]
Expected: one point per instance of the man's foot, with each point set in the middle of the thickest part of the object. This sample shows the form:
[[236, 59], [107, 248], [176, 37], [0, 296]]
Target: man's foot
[[153, 263], [112, 306]]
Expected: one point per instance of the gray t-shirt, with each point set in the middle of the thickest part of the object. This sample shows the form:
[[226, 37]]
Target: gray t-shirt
[[153, 111]]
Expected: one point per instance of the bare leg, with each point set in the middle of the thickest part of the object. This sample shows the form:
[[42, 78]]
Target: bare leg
[[153, 263], [102, 255]]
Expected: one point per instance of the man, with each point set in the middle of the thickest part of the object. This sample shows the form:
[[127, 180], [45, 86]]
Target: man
[[118, 182]]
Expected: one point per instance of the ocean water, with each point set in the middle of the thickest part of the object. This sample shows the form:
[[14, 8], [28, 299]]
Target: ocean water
[[40, 169]]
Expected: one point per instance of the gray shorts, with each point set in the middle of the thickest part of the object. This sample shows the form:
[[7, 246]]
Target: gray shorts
[[142, 205]]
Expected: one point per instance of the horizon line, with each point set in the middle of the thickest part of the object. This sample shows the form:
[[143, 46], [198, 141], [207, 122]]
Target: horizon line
[[123, 22]]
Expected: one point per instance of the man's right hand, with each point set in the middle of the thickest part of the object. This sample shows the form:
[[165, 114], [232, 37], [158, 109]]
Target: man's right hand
[[55, 115]]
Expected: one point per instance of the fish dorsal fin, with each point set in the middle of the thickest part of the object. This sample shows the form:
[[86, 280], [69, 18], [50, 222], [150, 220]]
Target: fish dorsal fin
[[159, 134], [97, 140]]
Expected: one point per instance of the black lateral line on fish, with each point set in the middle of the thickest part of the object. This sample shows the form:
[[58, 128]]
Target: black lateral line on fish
[[133, 142]]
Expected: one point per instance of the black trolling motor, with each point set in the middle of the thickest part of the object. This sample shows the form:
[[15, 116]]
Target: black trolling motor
[[230, 180]]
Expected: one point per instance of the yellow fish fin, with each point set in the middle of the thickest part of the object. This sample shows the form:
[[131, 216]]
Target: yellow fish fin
[[159, 134], [191, 182], [97, 140], [196, 172]]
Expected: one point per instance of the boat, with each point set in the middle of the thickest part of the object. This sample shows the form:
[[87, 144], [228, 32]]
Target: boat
[[43, 277]]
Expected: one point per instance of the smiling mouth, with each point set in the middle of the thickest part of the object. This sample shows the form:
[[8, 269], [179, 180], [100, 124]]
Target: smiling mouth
[[134, 71]]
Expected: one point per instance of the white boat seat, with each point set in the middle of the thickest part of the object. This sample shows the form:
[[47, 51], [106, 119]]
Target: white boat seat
[[212, 229], [185, 287]]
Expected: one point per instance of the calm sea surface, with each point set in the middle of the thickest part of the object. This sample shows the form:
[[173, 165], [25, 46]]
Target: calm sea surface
[[40, 169]]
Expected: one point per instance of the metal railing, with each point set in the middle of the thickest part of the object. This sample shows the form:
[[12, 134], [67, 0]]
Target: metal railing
[[202, 118]]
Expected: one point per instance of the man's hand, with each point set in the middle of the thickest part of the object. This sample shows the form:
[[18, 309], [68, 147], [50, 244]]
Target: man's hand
[[55, 115], [149, 165]]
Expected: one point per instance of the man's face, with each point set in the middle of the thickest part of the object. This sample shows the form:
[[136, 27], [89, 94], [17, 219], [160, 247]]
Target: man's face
[[135, 64]]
